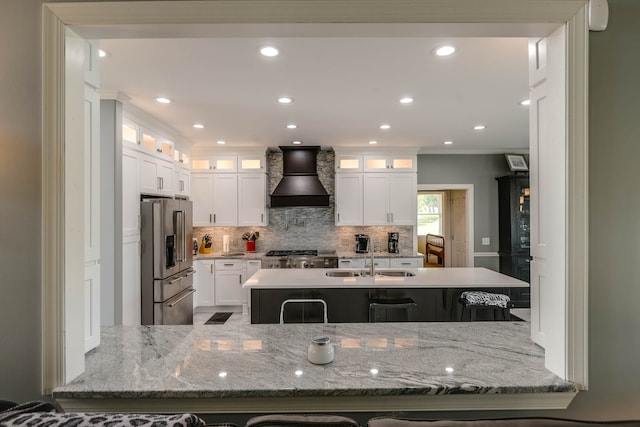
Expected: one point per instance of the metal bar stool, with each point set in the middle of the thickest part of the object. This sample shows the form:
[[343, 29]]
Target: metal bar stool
[[474, 300], [387, 304], [303, 300]]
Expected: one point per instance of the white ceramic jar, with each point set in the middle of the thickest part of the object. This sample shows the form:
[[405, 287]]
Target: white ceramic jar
[[320, 351]]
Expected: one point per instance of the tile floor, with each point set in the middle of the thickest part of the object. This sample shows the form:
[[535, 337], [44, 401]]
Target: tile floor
[[236, 318]]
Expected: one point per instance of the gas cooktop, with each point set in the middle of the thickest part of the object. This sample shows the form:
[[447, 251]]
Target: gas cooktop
[[294, 252], [300, 258]]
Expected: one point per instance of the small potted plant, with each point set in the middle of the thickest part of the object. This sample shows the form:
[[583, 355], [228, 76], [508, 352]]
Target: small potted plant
[[250, 237]]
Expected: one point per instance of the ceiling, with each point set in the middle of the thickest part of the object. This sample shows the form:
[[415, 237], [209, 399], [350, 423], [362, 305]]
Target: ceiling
[[343, 89]]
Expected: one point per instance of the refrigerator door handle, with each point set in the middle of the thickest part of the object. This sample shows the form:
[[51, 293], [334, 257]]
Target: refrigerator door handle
[[176, 299], [180, 229]]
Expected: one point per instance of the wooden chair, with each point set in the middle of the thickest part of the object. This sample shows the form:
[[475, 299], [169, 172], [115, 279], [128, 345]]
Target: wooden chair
[[435, 246]]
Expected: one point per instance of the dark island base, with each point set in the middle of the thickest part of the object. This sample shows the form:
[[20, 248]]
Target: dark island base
[[352, 305]]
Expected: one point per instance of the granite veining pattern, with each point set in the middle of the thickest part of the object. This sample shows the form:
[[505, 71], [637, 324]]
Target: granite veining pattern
[[270, 361]]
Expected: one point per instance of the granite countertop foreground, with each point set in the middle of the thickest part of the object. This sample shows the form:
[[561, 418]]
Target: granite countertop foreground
[[249, 361]]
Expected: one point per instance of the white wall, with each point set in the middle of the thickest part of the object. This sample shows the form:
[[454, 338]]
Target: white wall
[[20, 206]]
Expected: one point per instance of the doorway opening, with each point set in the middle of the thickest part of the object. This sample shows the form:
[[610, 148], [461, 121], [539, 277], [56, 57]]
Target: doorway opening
[[444, 210]]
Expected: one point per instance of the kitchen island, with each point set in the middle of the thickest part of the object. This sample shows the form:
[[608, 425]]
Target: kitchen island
[[347, 295], [264, 368]]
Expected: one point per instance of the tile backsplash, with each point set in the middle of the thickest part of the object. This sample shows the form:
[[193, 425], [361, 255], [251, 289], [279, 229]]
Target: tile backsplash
[[305, 228]]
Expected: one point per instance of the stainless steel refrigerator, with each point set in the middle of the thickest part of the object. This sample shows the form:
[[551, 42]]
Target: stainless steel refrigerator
[[166, 268]]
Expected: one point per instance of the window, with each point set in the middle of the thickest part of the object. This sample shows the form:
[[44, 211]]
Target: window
[[429, 213]]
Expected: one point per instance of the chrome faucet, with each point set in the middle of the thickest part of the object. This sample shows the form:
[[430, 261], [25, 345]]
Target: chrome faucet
[[372, 270]]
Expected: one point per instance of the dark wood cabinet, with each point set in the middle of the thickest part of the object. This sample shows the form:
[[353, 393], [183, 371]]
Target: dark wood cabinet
[[514, 228]]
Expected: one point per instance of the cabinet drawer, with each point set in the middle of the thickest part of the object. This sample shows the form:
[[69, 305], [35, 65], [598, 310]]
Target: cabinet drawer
[[380, 262], [351, 263], [405, 262], [228, 264]]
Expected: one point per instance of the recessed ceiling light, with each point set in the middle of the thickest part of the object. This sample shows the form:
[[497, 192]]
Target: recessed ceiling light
[[222, 374], [449, 369], [221, 142], [269, 51], [444, 50], [296, 142], [298, 372], [198, 126], [385, 127], [374, 371], [103, 53], [285, 100], [448, 142], [406, 100], [526, 102], [373, 142], [292, 126], [163, 100], [479, 127]]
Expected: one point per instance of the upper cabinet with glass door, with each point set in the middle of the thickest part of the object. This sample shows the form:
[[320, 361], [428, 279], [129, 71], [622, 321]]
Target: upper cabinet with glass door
[[230, 163], [151, 142], [390, 163], [348, 163]]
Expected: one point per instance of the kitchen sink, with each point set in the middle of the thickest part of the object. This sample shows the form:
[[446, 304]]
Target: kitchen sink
[[386, 273], [233, 254], [395, 273], [342, 273]]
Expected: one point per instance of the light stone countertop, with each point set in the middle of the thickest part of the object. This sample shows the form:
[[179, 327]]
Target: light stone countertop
[[381, 254], [218, 365], [233, 255], [469, 277]]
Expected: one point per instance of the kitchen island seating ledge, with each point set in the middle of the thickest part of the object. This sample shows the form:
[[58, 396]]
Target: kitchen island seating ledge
[[398, 366]]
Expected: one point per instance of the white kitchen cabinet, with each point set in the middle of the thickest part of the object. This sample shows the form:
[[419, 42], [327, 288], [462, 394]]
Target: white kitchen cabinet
[[380, 163], [228, 282], [181, 181], [363, 262], [349, 200], [225, 199], [204, 283], [348, 163], [156, 176], [375, 188], [131, 296], [130, 133], [218, 164], [351, 262], [252, 164], [376, 199], [390, 199], [156, 144], [379, 262], [252, 199], [221, 163], [130, 193], [202, 197], [405, 262], [403, 198]]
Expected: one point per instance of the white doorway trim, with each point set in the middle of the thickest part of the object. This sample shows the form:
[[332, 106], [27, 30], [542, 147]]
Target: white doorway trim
[[469, 208], [515, 17]]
